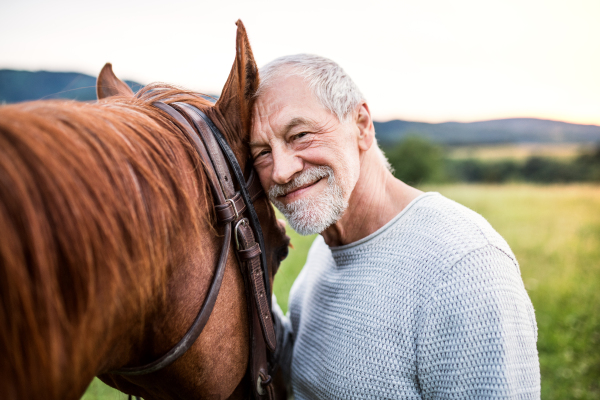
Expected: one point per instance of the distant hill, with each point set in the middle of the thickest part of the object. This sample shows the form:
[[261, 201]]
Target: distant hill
[[512, 130], [17, 86]]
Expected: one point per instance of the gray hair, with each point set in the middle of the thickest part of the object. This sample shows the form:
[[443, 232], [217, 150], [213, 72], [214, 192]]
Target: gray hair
[[330, 84]]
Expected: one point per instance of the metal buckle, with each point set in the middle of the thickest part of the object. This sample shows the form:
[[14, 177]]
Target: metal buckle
[[237, 215], [242, 221], [261, 383], [261, 391]]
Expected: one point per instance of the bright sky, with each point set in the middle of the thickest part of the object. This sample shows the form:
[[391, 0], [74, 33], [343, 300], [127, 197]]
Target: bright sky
[[423, 60]]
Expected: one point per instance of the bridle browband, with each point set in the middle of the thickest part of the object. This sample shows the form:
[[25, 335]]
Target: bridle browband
[[230, 207]]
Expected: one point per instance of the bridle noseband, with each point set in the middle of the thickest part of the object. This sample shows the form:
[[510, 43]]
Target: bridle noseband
[[234, 210]]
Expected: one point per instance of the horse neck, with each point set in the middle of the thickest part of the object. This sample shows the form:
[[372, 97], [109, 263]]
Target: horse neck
[[219, 356], [105, 193]]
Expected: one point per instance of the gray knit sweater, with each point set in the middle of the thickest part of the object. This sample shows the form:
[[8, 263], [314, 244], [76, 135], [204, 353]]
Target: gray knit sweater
[[431, 306]]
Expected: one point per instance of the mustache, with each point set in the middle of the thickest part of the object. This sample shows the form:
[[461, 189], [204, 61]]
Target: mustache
[[306, 177]]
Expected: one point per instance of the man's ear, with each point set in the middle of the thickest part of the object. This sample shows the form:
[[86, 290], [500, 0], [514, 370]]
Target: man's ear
[[109, 85], [237, 98], [366, 130]]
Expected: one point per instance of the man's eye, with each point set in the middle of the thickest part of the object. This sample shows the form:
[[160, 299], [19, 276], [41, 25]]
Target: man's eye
[[300, 135], [262, 153]]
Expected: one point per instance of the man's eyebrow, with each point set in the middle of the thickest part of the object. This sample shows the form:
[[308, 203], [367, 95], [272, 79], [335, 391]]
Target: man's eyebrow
[[294, 122], [254, 143]]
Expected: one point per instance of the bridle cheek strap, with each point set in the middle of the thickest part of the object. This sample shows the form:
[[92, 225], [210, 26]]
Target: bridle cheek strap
[[260, 288]]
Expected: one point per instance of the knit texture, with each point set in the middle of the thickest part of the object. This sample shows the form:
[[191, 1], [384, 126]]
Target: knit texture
[[432, 305]]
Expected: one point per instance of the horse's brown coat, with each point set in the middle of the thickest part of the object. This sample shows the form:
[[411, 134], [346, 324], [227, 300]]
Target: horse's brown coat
[[108, 244]]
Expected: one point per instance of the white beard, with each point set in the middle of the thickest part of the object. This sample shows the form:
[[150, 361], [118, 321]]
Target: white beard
[[311, 215]]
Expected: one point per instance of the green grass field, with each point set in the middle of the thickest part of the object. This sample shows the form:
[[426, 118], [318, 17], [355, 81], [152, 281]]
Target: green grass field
[[517, 152], [555, 233]]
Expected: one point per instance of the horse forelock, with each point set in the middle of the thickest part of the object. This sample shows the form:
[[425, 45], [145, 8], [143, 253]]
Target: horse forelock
[[93, 198]]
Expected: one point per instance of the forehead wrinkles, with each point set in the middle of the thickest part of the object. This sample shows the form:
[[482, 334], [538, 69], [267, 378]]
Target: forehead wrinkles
[[265, 114], [285, 92], [284, 117]]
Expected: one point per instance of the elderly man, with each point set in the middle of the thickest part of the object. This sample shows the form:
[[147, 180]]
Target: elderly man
[[404, 294]]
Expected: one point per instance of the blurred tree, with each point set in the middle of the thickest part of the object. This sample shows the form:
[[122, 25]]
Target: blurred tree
[[416, 160], [547, 170], [474, 170], [590, 163]]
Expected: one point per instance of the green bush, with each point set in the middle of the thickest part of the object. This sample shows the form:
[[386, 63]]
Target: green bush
[[416, 160], [473, 170]]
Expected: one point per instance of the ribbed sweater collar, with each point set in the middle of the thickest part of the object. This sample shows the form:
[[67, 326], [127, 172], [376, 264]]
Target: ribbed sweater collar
[[341, 251]]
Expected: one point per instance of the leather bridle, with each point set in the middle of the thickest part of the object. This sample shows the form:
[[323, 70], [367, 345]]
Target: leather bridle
[[235, 210]]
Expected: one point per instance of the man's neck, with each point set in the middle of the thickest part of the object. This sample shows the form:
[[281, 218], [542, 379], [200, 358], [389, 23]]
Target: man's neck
[[377, 198]]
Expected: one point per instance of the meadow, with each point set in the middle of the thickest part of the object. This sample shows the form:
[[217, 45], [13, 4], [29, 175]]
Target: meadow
[[517, 152], [554, 231]]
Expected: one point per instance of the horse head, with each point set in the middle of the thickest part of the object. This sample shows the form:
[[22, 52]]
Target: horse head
[[112, 245]]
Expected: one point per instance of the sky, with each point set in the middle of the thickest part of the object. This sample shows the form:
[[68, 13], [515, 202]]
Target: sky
[[419, 60]]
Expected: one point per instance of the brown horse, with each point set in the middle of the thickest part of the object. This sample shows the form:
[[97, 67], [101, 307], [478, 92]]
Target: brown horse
[[108, 244]]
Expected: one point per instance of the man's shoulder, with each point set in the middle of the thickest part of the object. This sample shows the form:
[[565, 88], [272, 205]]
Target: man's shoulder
[[449, 227]]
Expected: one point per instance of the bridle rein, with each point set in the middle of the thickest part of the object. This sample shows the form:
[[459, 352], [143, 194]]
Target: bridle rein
[[235, 210]]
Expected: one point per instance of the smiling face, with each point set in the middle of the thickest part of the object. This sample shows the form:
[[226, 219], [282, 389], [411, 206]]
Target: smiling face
[[307, 160]]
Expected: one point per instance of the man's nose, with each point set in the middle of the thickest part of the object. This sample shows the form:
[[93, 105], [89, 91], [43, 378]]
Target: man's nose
[[285, 166]]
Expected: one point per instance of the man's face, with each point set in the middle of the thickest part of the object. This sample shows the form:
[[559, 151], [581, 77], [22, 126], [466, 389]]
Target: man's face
[[307, 160]]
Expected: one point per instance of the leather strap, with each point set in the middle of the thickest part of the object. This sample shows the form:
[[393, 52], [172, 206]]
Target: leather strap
[[239, 175], [254, 187], [250, 253], [231, 210], [259, 284], [236, 206], [257, 364], [185, 127], [216, 155]]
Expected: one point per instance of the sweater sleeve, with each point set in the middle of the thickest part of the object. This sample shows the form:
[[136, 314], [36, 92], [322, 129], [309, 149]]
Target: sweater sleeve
[[477, 337], [285, 341]]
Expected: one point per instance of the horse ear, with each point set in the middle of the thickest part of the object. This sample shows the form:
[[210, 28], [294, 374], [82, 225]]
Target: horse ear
[[109, 85], [237, 96]]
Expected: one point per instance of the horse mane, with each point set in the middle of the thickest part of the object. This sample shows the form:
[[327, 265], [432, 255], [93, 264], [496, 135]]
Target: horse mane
[[93, 198]]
